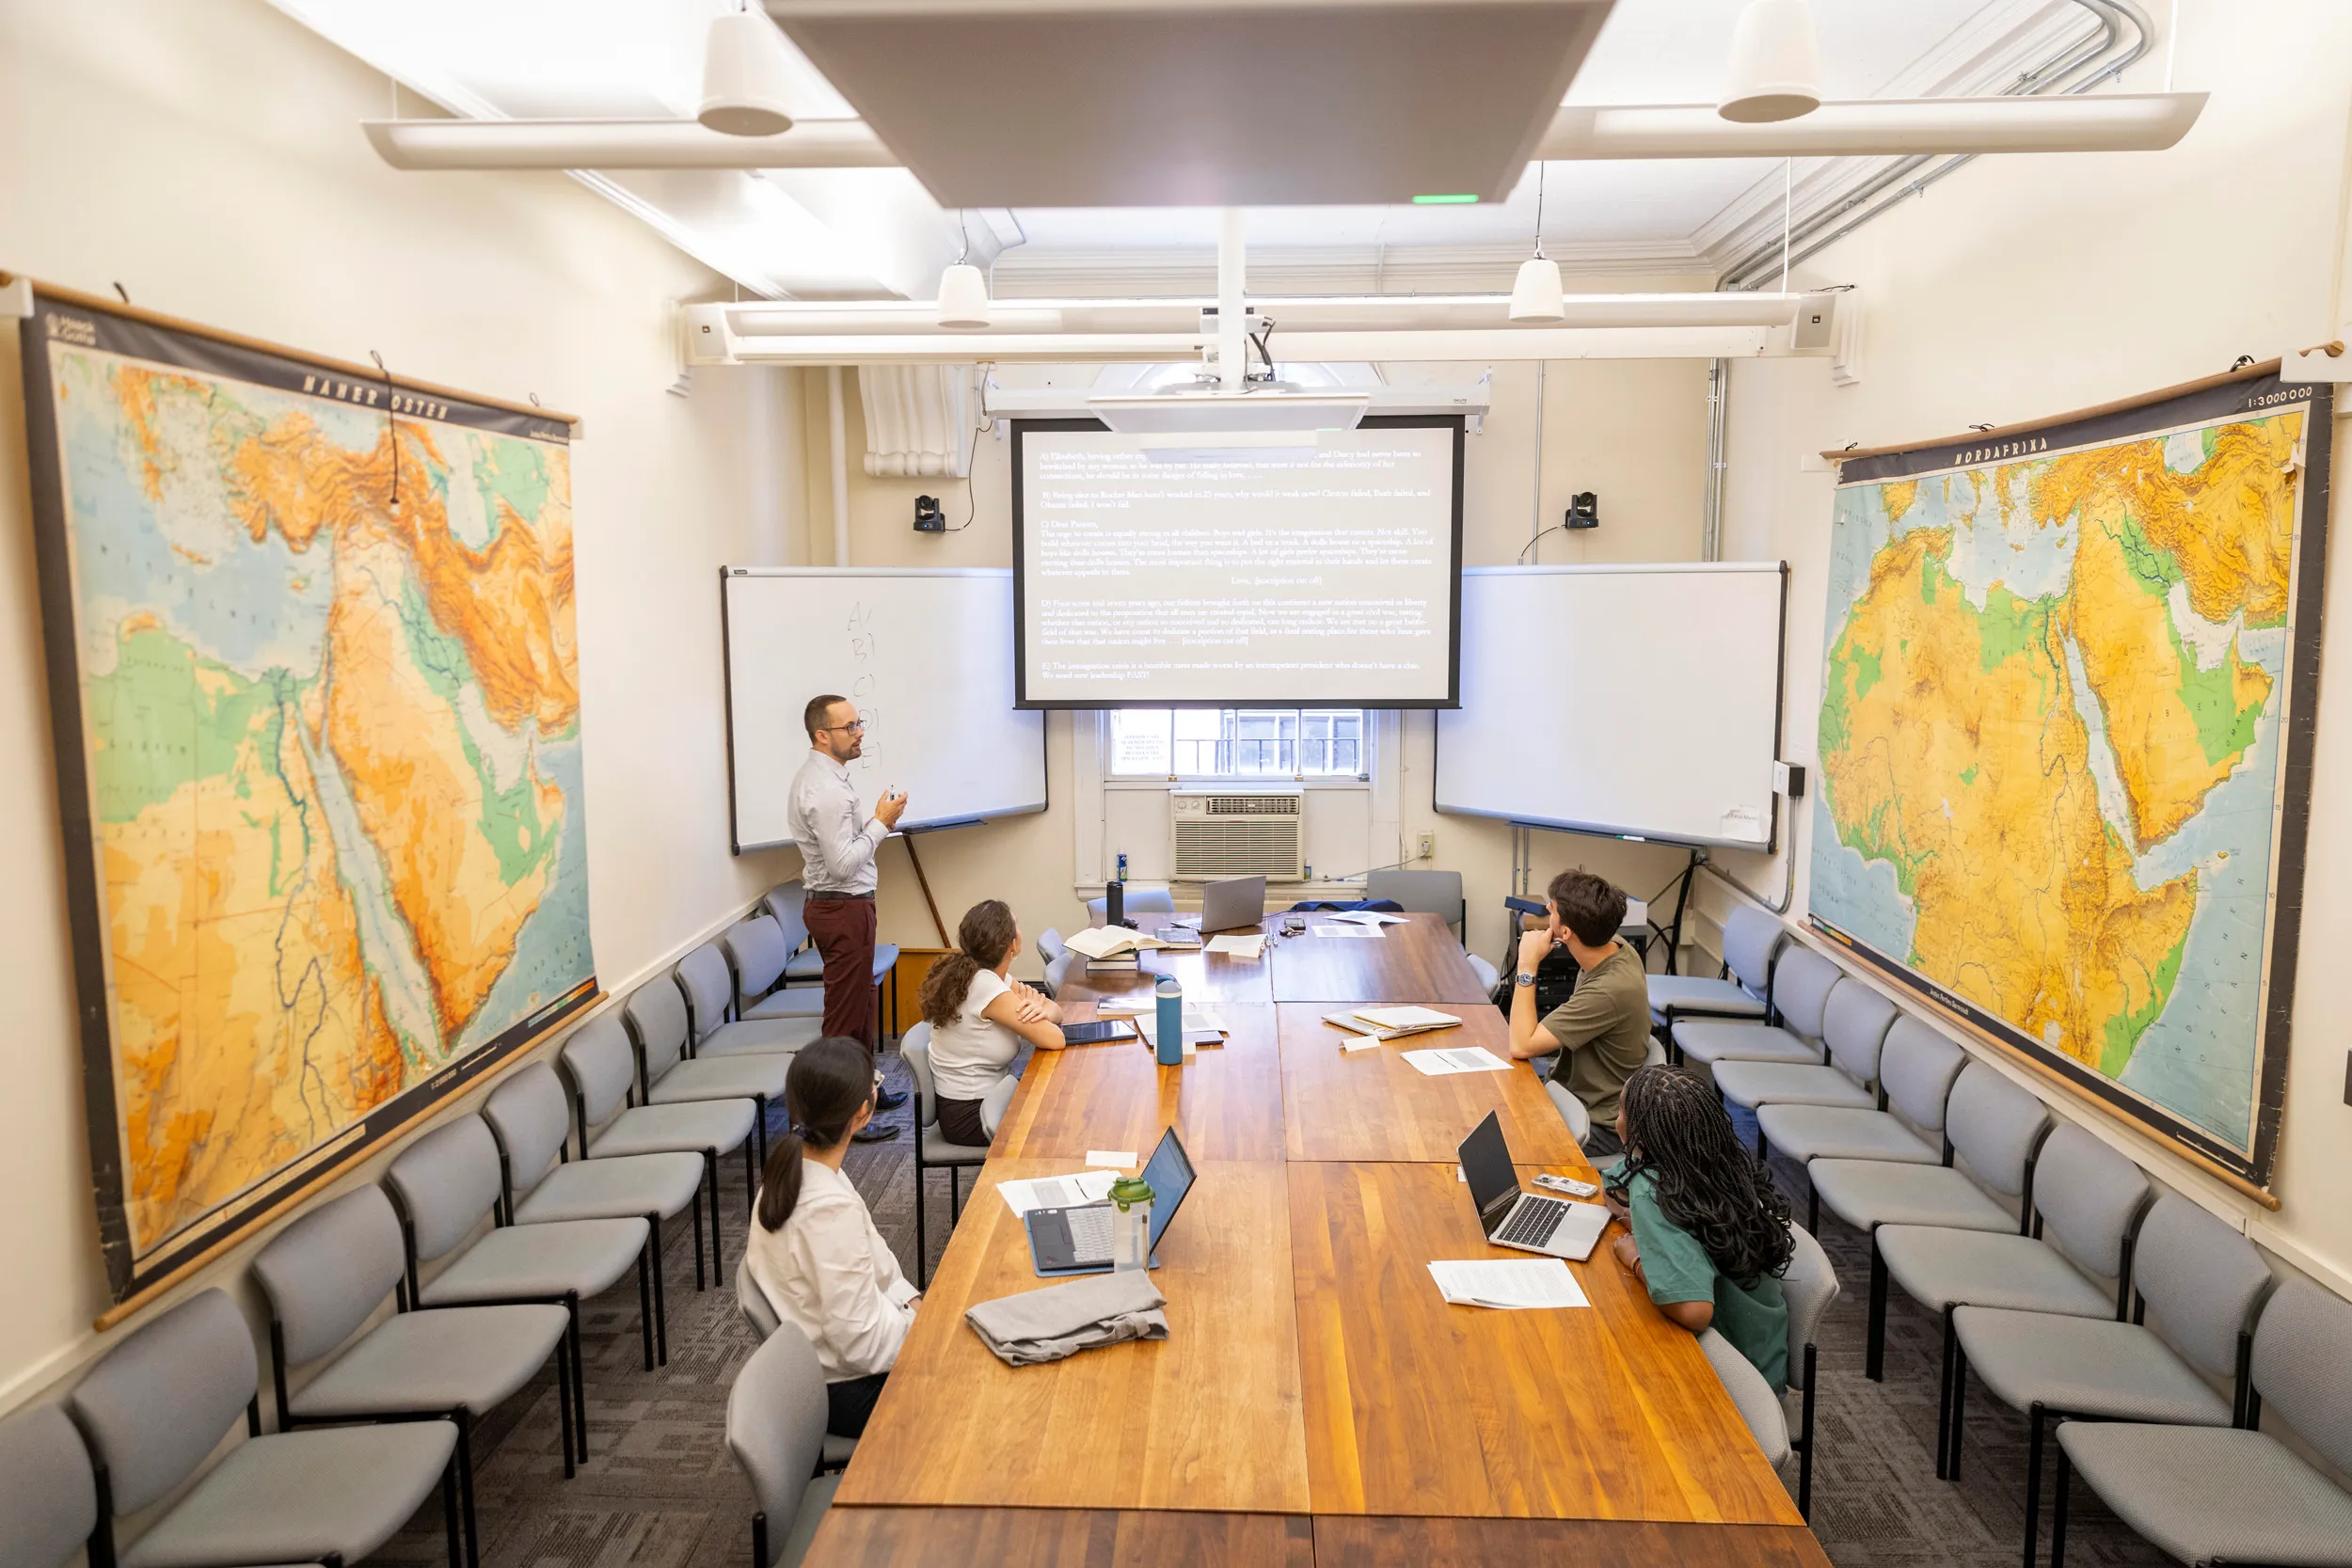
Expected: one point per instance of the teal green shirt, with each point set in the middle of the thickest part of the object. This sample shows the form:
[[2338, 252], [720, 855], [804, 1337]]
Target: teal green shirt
[[1678, 1269]]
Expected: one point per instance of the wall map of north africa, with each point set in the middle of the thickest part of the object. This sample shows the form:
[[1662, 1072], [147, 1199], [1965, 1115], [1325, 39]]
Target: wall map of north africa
[[2063, 784], [311, 649]]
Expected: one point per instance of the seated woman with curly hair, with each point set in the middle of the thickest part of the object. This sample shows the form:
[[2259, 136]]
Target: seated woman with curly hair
[[1709, 1228]]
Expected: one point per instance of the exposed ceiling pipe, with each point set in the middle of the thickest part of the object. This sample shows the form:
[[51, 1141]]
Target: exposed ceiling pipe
[[1183, 314], [2073, 70], [2111, 122], [495, 144]]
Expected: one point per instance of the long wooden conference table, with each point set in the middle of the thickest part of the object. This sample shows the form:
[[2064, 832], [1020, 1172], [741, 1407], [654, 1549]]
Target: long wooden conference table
[[1316, 1403]]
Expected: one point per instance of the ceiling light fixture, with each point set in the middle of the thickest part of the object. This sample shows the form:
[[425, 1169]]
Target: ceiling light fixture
[[1775, 64], [1536, 296], [747, 76], [963, 290]]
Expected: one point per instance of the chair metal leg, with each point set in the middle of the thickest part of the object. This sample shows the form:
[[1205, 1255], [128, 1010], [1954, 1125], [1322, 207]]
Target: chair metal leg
[[922, 1248], [1805, 1461], [709, 1179], [2033, 1482], [562, 1361], [1812, 1205], [717, 1262], [464, 1489], [449, 1512], [751, 1170], [1874, 1351], [1944, 1404], [955, 1197], [1959, 1400], [579, 1373], [2058, 1514], [646, 1263], [661, 1302]]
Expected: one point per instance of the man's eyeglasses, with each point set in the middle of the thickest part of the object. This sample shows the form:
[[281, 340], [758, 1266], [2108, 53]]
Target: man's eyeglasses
[[851, 728]]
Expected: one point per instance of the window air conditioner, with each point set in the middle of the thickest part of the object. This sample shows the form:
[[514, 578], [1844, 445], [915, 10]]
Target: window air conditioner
[[1227, 833]]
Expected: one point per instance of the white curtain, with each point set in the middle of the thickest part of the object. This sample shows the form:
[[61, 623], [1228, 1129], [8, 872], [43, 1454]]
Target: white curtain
[[919, 419]]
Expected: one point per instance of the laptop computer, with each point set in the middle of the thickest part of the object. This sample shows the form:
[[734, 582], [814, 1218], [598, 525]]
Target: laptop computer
[[1078, 1239], [1551, 1225], [1233, 904]]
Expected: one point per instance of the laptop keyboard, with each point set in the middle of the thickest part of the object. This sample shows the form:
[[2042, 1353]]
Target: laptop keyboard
[[1089, 1233], [1533, 1222]]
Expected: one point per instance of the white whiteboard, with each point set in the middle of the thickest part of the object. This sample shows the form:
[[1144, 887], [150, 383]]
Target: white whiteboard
[[925, 654], [1641, 701]]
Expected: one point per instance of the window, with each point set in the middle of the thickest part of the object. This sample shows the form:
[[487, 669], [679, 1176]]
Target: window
[[1237, 742]]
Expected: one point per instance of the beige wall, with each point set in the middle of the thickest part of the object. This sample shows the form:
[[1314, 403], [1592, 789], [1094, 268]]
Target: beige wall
[[2026, 287], [209, 157], [1634, 432]]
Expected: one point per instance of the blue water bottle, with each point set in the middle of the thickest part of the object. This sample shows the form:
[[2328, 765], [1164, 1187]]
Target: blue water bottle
[[1169, 1031]]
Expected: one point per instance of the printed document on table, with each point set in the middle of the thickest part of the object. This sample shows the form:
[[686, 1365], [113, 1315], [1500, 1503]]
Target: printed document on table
[[1329, 929], [1372, 918], [1515, 1284], [1251, 946], [1201, 1027], [1439, 1062], [1058, 1192]]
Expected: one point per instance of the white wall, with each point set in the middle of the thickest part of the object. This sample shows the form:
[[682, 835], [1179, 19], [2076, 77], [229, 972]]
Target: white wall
[[208, 158], [2026, 287]]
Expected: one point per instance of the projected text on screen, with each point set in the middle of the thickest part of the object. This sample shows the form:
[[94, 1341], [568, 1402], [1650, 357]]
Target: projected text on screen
[[1242, 575]]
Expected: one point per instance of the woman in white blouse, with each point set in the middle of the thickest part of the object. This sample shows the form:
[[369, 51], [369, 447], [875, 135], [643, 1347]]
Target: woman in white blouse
[[978, 1018], [814, 1252]]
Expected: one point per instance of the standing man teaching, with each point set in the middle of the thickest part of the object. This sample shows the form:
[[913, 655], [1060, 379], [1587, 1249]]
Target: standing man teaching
[[838, 845]]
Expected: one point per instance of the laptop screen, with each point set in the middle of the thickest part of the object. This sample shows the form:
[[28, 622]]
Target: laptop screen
[[1169, 1175], [1486, 1167]]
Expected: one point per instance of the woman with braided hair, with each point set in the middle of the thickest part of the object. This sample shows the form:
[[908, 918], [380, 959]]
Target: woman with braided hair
[[1708, 1229]]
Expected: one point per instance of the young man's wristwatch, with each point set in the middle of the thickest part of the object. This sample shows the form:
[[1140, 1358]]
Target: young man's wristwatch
[[1522, 978]]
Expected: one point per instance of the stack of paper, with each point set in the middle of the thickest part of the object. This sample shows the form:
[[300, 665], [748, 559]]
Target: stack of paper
[[1351, 928], [1460, 1058], [1058, 1192], [1248, 948], [1372, 918], [1389, 1024], [1201, 1027], [1514, 1284]]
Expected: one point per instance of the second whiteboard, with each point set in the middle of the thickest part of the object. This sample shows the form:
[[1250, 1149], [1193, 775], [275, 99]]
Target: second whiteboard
[[927, 658]]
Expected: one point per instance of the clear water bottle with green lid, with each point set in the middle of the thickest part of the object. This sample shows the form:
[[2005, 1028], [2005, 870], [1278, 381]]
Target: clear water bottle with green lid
[[1131, 1224]]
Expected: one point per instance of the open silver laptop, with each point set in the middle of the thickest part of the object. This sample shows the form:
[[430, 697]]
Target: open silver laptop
[[1551, 1225], [1233, 904]]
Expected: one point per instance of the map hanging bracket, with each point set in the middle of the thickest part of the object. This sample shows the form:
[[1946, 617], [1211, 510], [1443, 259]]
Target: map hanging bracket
[[16, 297]]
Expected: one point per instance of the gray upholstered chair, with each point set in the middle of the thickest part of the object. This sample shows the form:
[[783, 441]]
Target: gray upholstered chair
[[657, 1021], [160, 1402], [1437, 892], [1766, 1416], [1802, 982], [1808, 1286], [1916, 1066], [703, 989], [1743, 989], [445, 1184], [1488, 976], [2212, 1495], [1571, 1109], [1057, 976], [753, 1303], [596, 1059], [757, 951], [933, 1151], [776, 1431], [1992, 1134], [2086, 1205], [326, 1275], [48, 1498], [1050, 946], [1854, 1028], [542, 1185], [1142, 900], [2204, 1282]]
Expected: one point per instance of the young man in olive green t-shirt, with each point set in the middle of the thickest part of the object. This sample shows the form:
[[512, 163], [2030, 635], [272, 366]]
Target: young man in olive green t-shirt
[[1601, 1031]]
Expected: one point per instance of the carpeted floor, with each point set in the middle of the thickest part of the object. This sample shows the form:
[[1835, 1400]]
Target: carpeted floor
[[660, 1490]]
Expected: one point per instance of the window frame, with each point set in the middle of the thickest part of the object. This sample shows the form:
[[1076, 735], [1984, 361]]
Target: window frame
[[1368, 730]]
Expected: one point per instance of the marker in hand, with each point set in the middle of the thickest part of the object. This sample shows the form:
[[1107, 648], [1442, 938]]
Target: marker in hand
[[890, 807]]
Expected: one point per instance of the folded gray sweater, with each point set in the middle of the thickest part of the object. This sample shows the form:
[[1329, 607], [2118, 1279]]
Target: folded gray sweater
[[1064, 1320]]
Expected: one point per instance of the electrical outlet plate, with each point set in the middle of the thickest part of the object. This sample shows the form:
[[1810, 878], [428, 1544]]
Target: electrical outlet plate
[[1426, 846]]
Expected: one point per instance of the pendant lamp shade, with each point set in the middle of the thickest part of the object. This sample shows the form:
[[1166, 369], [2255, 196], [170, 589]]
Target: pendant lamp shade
[[747, 76], [963, 296], [1775, 64], [1536, 296]]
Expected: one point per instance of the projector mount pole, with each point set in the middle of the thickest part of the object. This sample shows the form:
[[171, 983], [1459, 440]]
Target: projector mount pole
[[1233, 361]]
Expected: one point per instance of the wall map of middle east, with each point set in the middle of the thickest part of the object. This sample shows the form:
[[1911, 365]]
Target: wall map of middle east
[[2065, 743], [315, 690]]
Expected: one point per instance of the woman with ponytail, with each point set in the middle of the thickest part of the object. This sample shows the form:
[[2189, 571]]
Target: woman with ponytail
[[1708, 1227], [814, 1252], [978, 1018]]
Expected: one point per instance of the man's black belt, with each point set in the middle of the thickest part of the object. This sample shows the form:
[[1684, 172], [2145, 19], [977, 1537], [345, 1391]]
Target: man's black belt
[[814, 894]]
